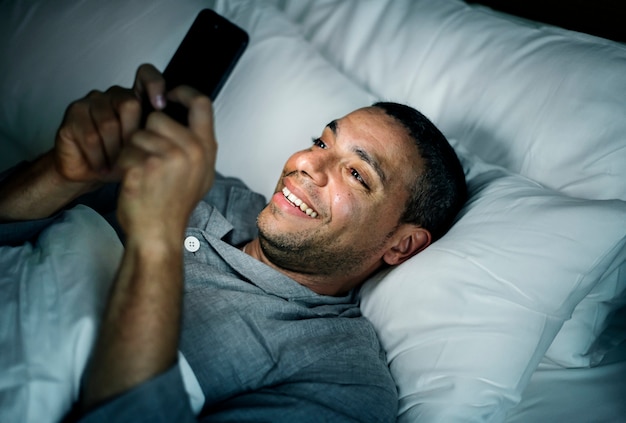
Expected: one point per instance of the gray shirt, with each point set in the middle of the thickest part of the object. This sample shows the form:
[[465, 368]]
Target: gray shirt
[[262, 346]]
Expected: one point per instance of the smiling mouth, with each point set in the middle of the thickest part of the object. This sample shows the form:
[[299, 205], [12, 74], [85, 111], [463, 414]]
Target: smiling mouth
[[293, 199]]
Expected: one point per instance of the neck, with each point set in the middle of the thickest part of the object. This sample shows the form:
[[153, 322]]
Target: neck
[[332, 285]]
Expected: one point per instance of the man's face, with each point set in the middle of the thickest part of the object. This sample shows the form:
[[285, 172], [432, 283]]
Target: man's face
[[338, 203]]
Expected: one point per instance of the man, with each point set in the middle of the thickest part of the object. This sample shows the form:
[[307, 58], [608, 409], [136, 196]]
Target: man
[[272, 332]]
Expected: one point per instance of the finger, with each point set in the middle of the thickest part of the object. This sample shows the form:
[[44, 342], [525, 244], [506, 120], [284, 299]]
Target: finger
[[108, 126], [131, 157], [196, 145], [200, 110], [149, 82], [166, 127], [130, 166], [198, 151], [83, 132], [128, 109], [78, 136], [154, 144]]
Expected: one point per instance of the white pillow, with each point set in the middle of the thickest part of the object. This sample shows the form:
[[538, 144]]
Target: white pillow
[[580, 341], [467, 321], [52, 293], [541, 101]]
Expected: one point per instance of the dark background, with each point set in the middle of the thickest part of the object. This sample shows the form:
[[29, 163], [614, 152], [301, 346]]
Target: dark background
[[604, 18]]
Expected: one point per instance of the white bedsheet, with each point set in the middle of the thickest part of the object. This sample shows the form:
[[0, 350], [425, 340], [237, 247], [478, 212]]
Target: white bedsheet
[[585, 395]]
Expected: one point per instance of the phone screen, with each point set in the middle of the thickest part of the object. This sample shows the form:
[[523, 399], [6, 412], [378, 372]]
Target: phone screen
[[205, 58]]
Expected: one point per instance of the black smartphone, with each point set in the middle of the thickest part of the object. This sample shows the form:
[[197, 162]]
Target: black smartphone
[[204, 60]]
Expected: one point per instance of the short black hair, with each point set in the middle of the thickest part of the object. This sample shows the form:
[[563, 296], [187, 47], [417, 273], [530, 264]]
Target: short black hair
[[439, 191]]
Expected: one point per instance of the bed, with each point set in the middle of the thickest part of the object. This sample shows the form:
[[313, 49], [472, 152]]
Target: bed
[[515, 315]]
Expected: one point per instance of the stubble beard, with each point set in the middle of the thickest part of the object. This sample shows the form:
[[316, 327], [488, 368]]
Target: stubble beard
[[311, 252]]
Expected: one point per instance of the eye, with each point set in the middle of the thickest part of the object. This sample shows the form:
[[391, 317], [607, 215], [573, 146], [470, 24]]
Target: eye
[[319, 143], [359, 178]]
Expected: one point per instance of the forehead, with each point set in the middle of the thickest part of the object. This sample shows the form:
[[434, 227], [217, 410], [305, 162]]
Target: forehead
[[383, 138]]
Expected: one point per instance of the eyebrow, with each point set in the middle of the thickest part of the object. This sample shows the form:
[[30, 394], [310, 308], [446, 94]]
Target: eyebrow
[[363, 155], [332, 125]]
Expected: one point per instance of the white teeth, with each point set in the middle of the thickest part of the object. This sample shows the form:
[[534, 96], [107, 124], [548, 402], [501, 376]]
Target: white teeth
[[295, 200], [299, 203]]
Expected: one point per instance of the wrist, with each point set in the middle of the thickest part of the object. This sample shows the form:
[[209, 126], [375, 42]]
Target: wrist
[[62, 185], [154, 245], [36, 190]]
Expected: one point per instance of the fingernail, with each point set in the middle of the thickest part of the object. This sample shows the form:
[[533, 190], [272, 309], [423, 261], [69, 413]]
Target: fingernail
[[160, 101]]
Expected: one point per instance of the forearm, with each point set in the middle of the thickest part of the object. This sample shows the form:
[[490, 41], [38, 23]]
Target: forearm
[[36, 190], [165, 168], [140, 330]]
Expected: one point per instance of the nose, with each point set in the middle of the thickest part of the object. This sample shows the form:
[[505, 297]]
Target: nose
[[314, 164]]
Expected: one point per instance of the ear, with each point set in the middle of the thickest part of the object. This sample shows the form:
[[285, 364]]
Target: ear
[[408, 241]]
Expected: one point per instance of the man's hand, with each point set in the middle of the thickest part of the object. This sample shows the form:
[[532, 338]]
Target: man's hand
[[92, 134], [96, 128], [167, 168]]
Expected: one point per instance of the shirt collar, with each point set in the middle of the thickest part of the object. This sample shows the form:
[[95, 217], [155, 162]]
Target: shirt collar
[[215, 227]]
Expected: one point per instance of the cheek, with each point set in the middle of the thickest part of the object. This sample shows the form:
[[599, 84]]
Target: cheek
[[343, 204], [353, 211], [369, 216]]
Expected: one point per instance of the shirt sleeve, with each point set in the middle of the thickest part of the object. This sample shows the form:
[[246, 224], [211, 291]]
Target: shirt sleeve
[[162, 399], [17, 233], [102, 200]]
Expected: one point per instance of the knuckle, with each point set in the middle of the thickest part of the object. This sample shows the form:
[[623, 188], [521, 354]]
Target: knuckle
[[77, 106], [149, 74], [115, 88], [91, 140], [153, 162], [109, 125], [196, 152], [64, 132], [178, 155], [130, 105], [154, 120], [201, 102], [144, 67], [94, 94]]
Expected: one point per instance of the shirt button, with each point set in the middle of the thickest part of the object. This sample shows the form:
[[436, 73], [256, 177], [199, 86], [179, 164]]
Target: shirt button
[[192, 244]]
